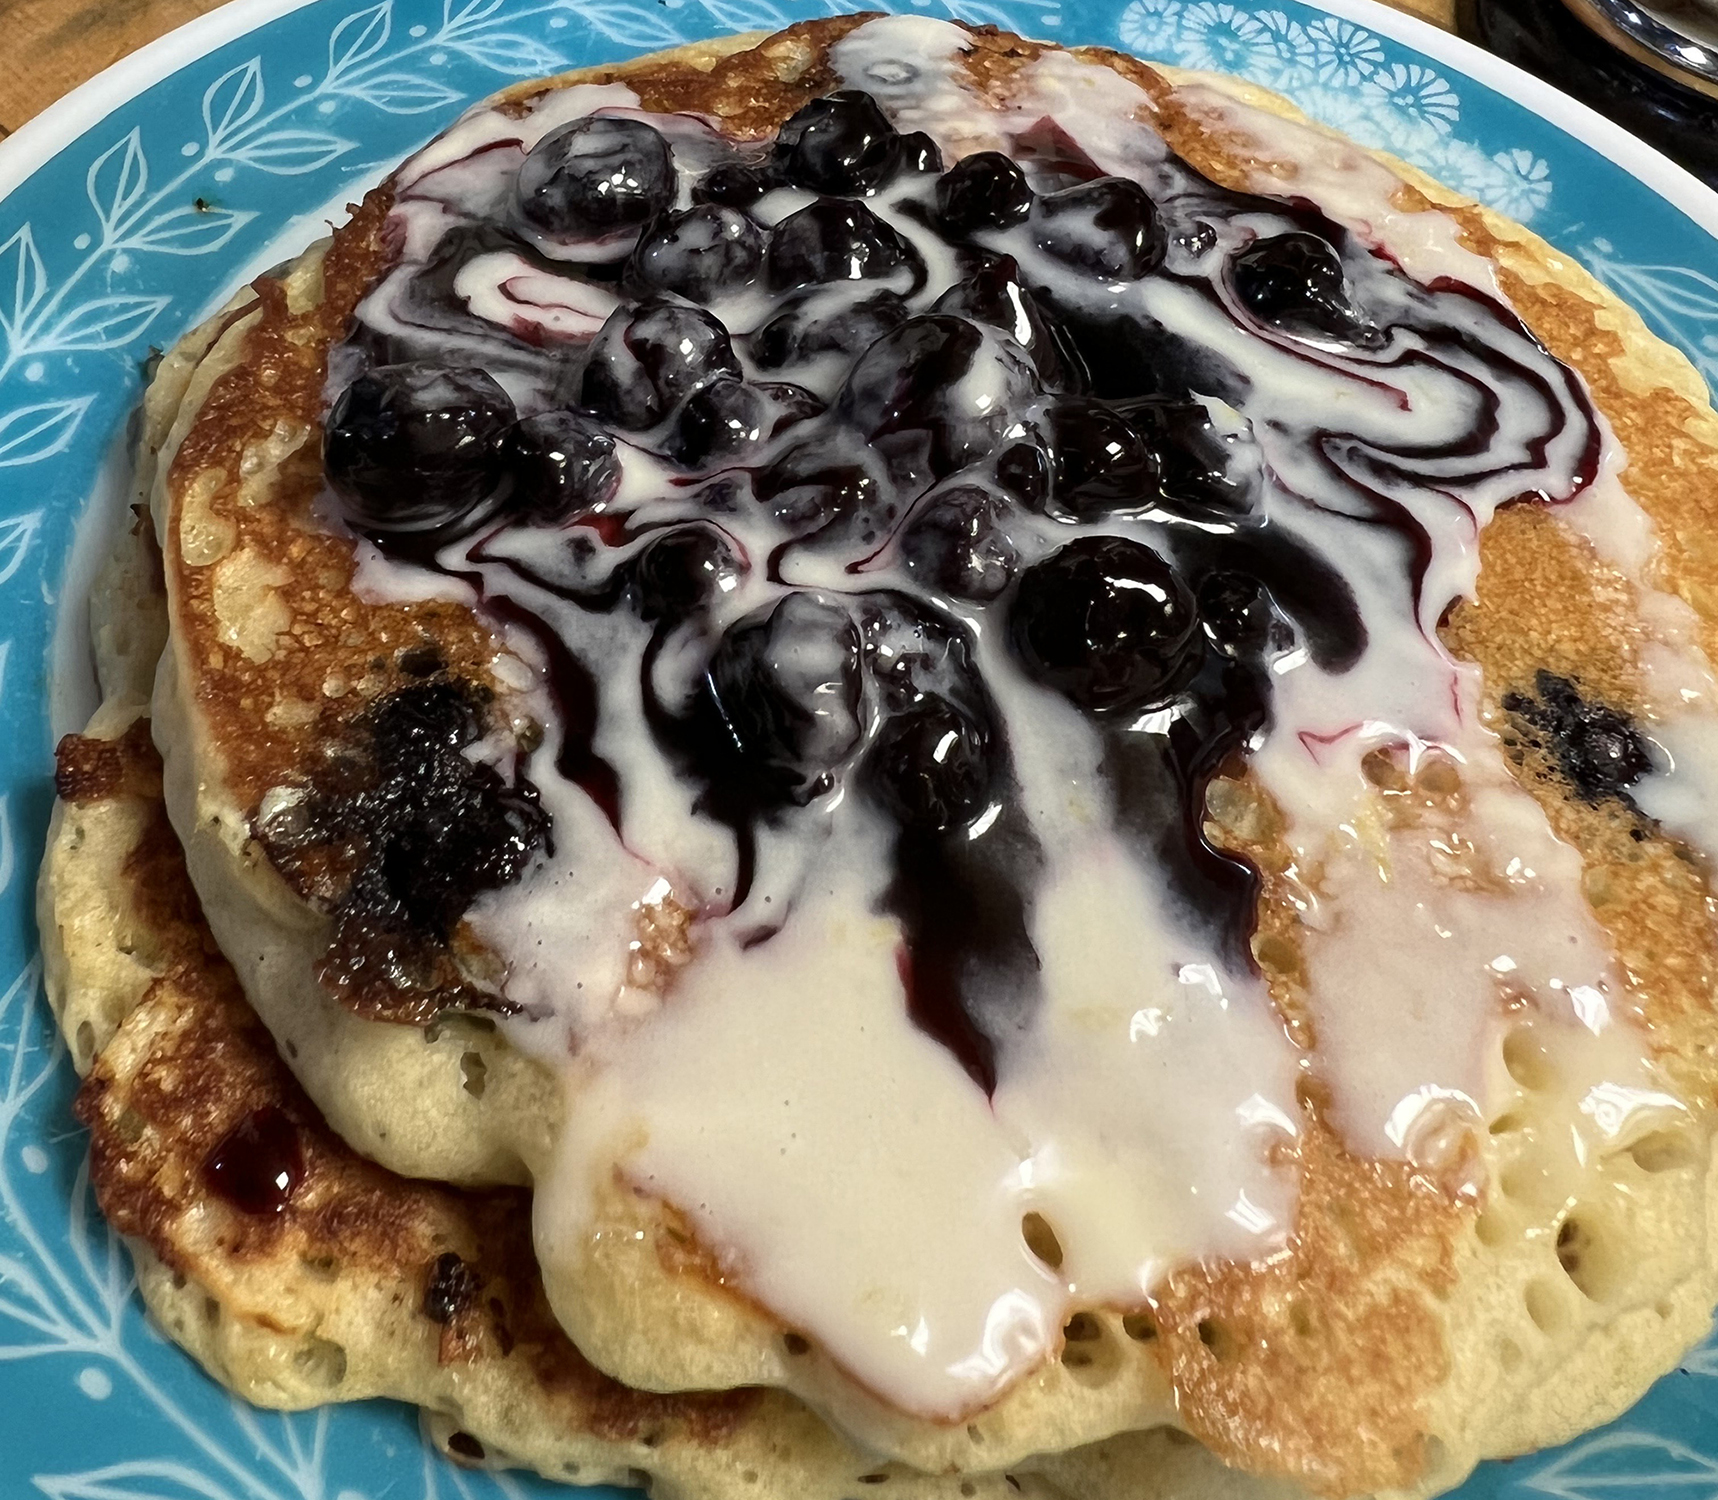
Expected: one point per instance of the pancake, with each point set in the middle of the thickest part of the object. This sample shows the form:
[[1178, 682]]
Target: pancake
[[364, 1284], [1464, 1217]]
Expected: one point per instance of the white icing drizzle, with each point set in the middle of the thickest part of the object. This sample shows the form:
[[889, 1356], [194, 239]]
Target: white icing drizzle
[[843, 1165]]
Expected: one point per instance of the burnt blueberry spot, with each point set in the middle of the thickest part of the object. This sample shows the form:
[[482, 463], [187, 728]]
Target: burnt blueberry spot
[[1597, 748], [464, 1445], [452, 1287], [400, 833]]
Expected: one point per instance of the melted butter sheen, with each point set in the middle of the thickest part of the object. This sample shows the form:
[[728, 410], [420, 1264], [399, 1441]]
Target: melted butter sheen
[[888, 1048]]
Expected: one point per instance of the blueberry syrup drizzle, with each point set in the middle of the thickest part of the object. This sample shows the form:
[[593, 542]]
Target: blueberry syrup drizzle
[[989, 391]]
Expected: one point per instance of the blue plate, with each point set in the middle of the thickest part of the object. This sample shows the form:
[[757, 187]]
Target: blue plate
[[130, 208]]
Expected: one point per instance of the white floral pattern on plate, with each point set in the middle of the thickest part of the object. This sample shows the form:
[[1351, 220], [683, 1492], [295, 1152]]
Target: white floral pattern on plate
[[140, 225]]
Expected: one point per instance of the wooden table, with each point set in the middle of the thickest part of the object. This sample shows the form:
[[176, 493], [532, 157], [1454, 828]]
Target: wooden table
[[51, 46]]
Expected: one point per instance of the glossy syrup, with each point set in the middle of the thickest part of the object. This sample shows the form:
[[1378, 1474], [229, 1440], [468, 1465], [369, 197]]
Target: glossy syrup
[[258, 1165]]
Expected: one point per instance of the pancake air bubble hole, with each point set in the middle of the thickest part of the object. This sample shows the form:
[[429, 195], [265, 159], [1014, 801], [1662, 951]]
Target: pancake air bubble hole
[[1589, 1257], [1493, 1229], [1141, 1327], [321, 1361], [85, 1044], [462, 1445], [1528, 1063], [1041, 1240], [796, 1344], [1665, 1151], [1079, 1334], [474, 1072], [1547, 1306], [1508, 1124], [1216, 1337]]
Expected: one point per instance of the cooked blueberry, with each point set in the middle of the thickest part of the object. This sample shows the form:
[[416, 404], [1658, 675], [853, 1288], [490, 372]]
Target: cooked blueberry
[[793, 403], [429, 826], [816, 488], [916, 152], [936, 394], [839, 144], [957, 541], [1296, 282], [986, 190], [415, 447], [736, 184], [1199, 467], [1109, 227], [647, 358], [834, 239], [913, 650], [682, 570], [1105, 621], [826, 323], [705, 250], [718, 421], [1025, 471], [595, 176], [562, 463], [1098, 463], [1129, 354], [785, 683], [931, 767], [1235, 611], [995, 294]]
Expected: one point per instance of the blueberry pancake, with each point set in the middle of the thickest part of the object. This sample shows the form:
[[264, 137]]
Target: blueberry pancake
[[1032, 738]]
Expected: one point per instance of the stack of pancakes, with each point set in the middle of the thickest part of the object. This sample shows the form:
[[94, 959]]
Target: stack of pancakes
[[329, 1193]]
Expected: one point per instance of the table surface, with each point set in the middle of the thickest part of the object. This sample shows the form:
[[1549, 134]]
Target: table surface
[[54, 45]]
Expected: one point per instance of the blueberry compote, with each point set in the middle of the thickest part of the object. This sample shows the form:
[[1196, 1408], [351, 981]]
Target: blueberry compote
[[883, 483]]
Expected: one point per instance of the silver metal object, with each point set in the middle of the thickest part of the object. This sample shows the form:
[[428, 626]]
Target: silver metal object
[[1678, 38]]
